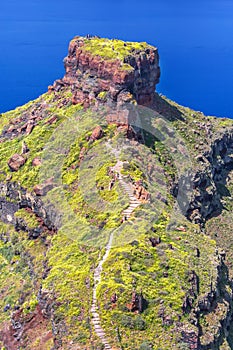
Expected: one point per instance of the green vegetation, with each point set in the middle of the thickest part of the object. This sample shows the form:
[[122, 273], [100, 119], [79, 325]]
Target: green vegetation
[[28, 217], [70, 281], [20, 259], [132, 170], [161, 273], [154, 253], [102, 95], [114, 49]]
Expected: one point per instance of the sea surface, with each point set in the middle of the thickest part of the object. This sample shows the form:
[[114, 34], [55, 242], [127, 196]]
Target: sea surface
[[194, 38]]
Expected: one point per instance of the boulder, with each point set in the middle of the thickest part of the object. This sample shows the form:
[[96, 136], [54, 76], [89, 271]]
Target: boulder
[[43, 189], [36, 161], [16, 162], [97, 133]]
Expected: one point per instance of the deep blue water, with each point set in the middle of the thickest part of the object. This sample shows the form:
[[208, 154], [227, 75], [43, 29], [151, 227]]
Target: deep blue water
[[195, 41]]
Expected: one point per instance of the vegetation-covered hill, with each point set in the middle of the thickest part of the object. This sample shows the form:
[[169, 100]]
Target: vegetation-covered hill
[[116, 212]]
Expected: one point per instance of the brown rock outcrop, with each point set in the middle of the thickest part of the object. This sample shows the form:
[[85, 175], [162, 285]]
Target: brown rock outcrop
[[140, 192], [91, 75], [137, 303], [42, 189], [97, 133], [36, 161], [16, 162], [24, 329]]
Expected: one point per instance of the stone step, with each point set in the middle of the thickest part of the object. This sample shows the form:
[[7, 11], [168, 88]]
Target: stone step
[[96, 323], [96, 318], [100, 332]]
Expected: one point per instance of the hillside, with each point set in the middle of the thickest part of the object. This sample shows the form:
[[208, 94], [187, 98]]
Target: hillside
[[116, 212]]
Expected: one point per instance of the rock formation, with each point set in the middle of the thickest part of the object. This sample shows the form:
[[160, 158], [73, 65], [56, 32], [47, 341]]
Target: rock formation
[[95, 75], [97, 255]]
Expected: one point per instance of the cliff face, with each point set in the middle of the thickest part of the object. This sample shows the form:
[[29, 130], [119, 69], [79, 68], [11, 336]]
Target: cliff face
[[215, 166], [97, 69], [115, 212]]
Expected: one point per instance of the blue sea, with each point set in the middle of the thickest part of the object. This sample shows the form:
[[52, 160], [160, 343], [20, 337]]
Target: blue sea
[[194, 38]]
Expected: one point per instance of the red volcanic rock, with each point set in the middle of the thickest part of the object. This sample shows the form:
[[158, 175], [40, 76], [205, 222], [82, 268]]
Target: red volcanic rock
[[105, 85], [52, 120], [97, 133], [120, 117], [79, 97], [88, 74], [140, 192], [82, 153], [43, 189], [30, 127], [36, 161], [16, 162], [24, 328], [136, 304]]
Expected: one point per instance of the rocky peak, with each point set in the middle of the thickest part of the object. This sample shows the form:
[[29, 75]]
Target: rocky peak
[[100, 69]]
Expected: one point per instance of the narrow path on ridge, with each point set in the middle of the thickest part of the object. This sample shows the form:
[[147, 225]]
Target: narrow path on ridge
[[133, 204]]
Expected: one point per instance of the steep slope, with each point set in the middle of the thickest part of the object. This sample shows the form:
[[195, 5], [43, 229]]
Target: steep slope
[[116, 212]]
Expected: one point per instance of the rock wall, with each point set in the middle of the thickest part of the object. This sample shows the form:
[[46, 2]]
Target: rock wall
[[13, 197], [210, 180], [215, 306]]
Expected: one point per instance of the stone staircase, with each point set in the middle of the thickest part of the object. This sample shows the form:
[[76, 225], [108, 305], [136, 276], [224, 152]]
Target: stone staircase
[[133, 204], [133, 201], [94, 307]]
